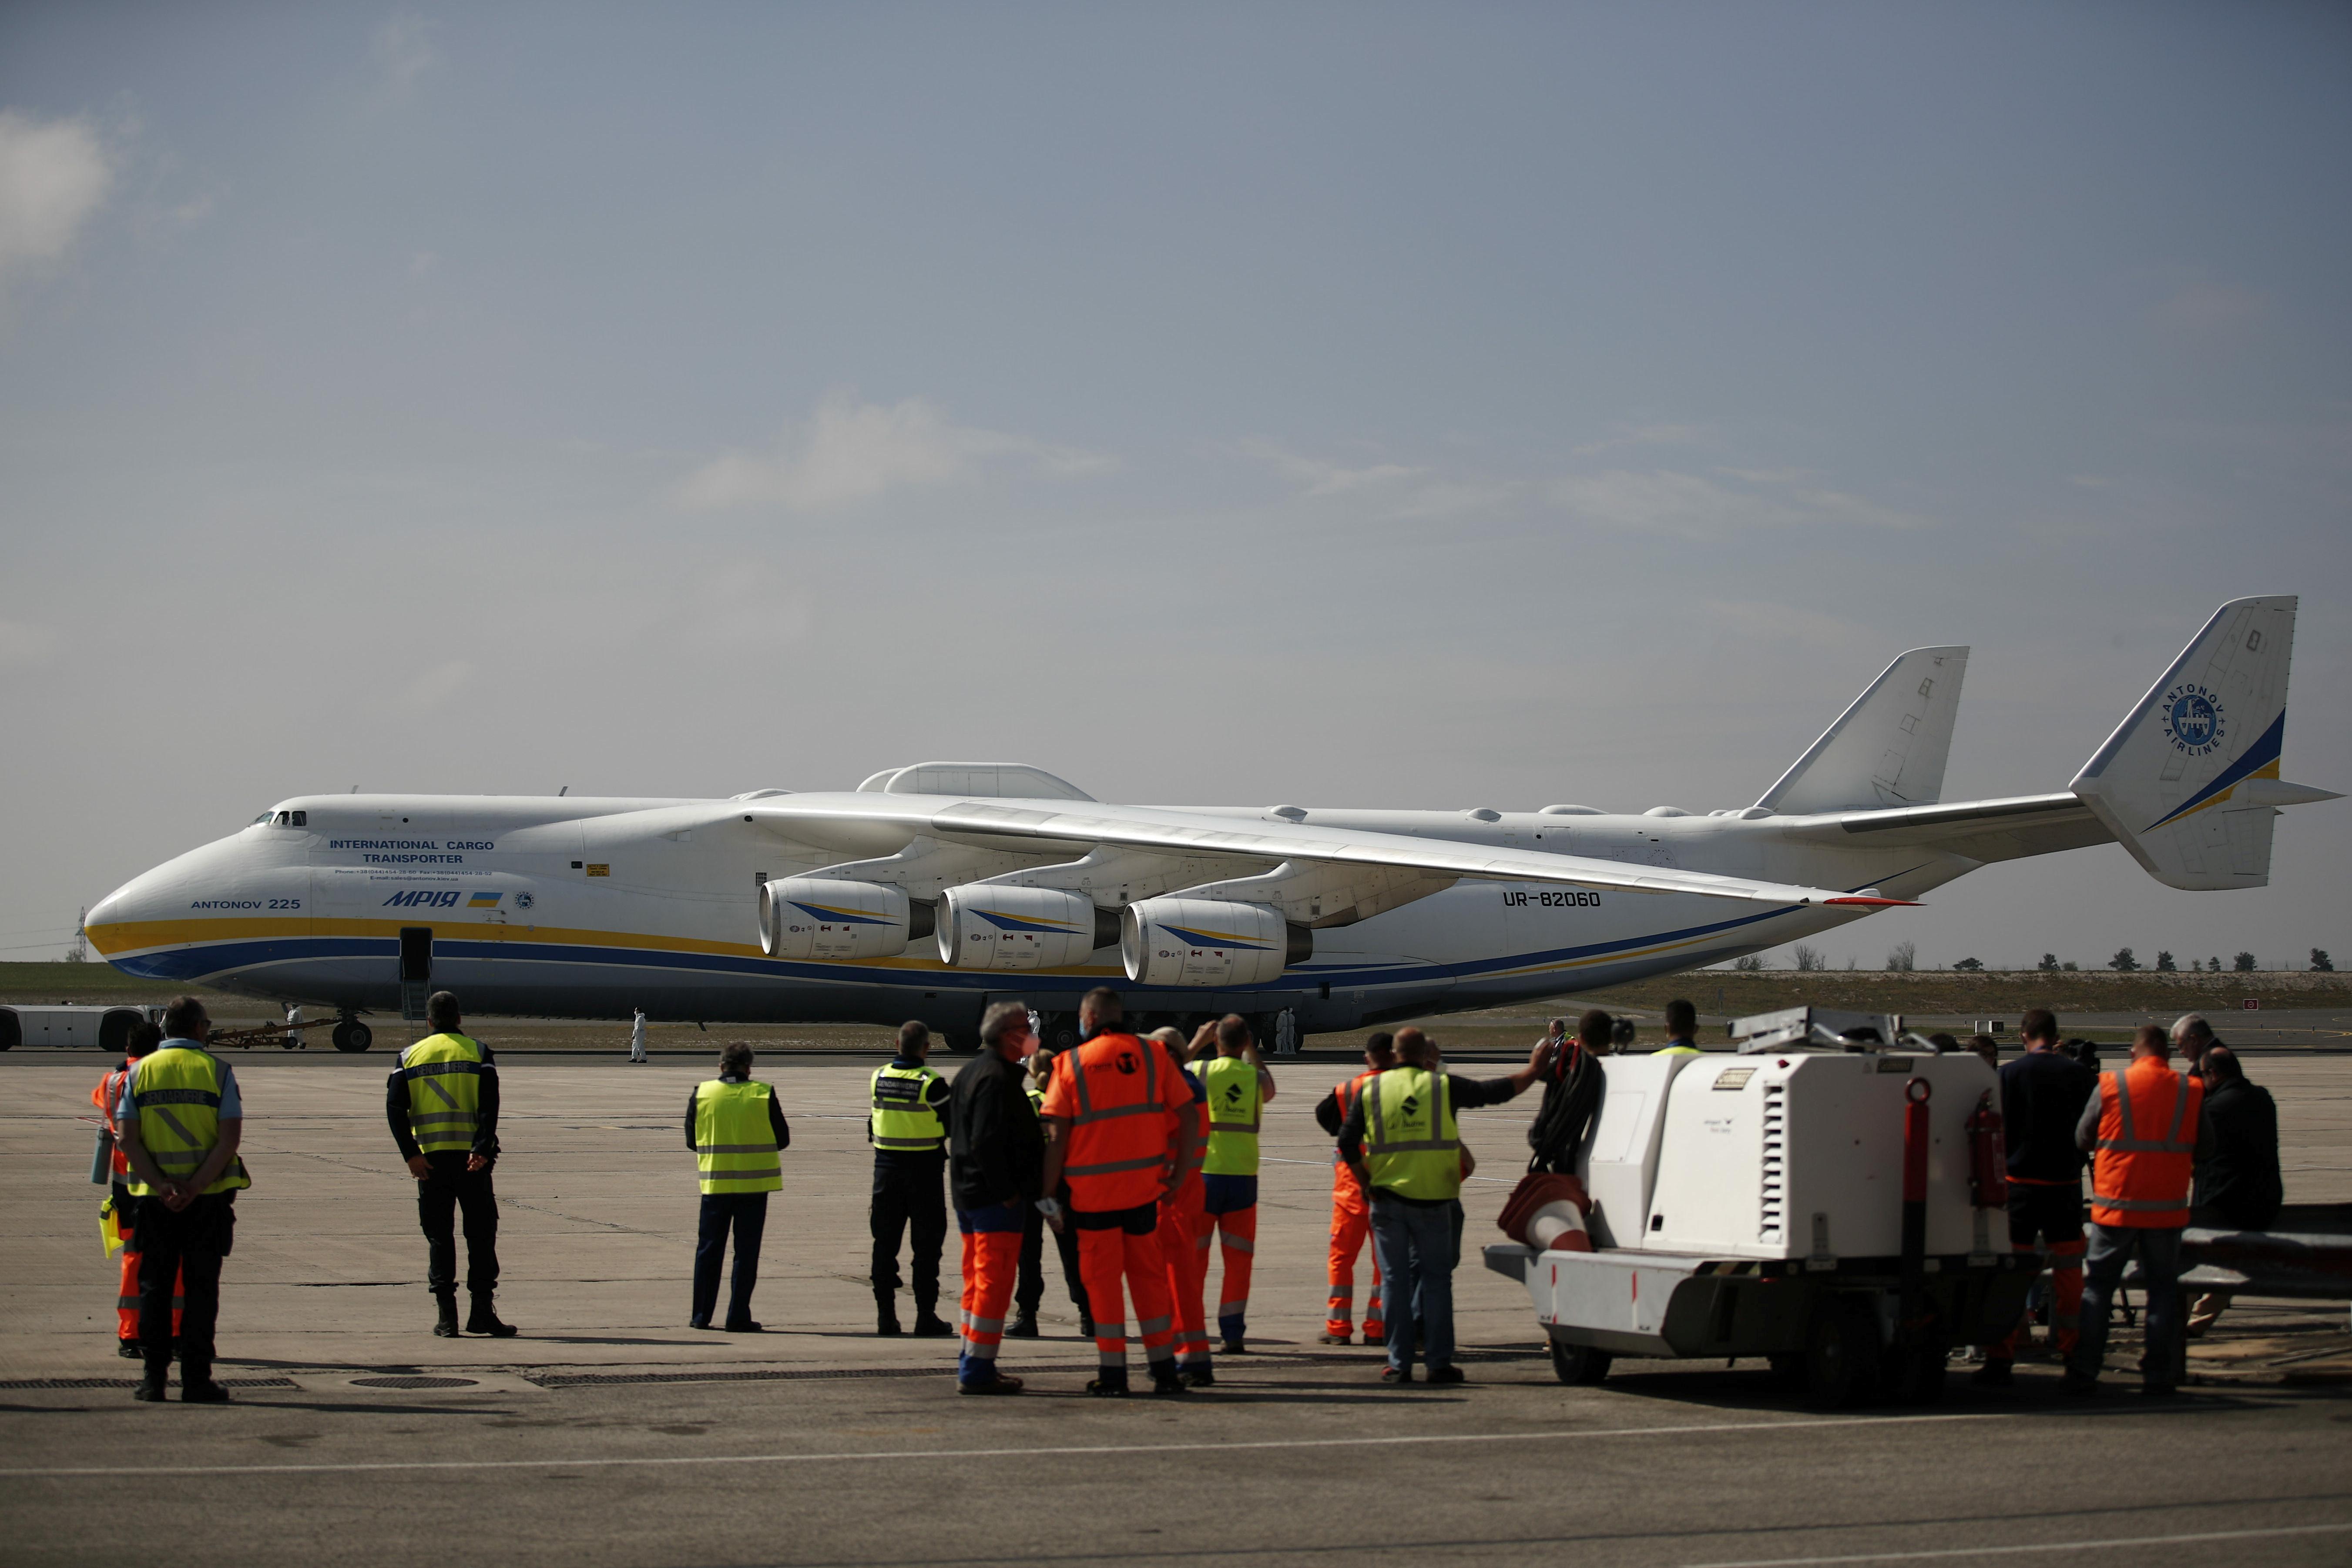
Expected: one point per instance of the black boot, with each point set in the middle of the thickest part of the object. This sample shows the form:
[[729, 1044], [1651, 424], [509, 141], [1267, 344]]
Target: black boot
[[929, 1324], [198, 1387], [886, 1313], [1025, 1327], [444, 1303], [480, 1319]]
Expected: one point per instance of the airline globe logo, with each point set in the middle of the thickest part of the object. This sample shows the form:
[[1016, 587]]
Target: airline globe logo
[[2193, 720]]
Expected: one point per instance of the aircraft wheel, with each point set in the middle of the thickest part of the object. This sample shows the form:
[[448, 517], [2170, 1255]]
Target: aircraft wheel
[[352, 1035], [1574, 1363]]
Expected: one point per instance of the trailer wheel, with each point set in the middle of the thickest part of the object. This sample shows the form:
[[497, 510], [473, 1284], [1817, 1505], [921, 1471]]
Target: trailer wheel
[[1574, 1363], [1840, 1353], [352, 1035]]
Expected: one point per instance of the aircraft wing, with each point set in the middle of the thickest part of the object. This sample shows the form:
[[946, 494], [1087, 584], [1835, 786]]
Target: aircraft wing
[[1183, 832]]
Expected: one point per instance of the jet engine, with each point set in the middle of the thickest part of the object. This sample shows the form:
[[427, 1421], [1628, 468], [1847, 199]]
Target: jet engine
[[987, 925], [1209, 942], [818, 917]]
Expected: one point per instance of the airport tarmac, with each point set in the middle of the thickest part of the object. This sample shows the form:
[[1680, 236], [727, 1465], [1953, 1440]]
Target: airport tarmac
[[610, 1433]]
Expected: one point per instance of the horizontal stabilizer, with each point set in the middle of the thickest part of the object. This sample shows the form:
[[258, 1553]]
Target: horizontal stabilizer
[[2189, 781], [1888, 748]]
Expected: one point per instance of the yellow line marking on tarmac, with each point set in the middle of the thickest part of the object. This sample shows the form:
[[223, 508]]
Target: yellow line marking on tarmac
[[2114, 1543], [1103, 1448]]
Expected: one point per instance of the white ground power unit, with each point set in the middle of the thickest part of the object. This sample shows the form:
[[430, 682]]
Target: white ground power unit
[[71, 1025], [1756, 1205]]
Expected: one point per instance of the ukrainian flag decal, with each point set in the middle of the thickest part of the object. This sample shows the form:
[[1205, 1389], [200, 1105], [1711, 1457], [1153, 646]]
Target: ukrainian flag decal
[[484, 900]]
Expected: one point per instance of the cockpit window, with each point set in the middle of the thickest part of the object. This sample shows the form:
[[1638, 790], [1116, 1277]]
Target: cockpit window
[[261, 819], [287, 819]]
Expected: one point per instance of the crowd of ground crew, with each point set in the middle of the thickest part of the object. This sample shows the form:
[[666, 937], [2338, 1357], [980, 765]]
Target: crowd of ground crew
[[1136, 1152]]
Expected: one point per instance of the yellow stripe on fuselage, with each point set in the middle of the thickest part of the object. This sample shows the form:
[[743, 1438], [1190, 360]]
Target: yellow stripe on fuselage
[[125, 939]]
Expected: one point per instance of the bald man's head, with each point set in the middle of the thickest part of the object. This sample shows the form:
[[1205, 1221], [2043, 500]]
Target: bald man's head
[[1414, 1049]]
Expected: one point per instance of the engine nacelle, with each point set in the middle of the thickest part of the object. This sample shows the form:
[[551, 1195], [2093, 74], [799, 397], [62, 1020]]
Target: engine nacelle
[[1204, 942], [987, 925], [818, 917]]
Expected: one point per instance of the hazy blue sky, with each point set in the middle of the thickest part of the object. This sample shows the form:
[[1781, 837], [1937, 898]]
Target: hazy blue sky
[[1435, 405]]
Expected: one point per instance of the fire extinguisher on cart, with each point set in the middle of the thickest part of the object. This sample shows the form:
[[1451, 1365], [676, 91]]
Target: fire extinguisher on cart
[[1988, 1157]]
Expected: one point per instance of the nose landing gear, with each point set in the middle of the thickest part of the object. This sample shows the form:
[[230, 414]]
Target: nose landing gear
[[349, 1034]]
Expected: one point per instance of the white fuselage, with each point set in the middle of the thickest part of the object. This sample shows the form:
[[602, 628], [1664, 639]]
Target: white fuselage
[[574, 907]]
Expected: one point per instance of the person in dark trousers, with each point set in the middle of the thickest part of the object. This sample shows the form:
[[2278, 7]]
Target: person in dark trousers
[[737, 1131], [181, 1120], [996, 1159], [1404, 1146], [2237, 1185], [2043, 1093], [442, 1102], [1031, 1290], [908, 1126], [2147, 1126]]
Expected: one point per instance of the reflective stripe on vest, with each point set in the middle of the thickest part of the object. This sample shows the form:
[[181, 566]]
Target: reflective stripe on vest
[[1110, 1149], [901, 1122], [1237, 1110], [734, 1140], [1346, 1094], [2137, 1181], [444, 1092], [1412, 1143], [177, 1093]]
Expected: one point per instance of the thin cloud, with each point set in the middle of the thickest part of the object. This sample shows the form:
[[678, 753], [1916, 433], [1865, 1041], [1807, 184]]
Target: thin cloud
[[1623, 436], [403, 51], [1322, 477], [1391, 490], [853, 452], [53, 175], [1693, 507]]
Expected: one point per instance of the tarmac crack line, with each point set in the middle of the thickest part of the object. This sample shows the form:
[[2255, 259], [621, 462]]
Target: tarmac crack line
[[652, 1462]]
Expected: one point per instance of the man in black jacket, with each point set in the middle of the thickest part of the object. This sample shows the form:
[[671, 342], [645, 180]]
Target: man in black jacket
[[2043, 1093], [996, 1158], [2238, 1182]]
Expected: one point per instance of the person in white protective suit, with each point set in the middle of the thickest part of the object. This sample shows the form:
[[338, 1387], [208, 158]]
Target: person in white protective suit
[[637, 1036]]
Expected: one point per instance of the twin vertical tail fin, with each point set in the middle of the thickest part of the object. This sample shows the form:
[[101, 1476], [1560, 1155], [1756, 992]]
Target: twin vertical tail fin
[[2189, 781], [1888, 748]]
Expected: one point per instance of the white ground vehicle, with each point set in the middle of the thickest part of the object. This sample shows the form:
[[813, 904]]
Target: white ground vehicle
[[72, 1025], [1756, 1205]]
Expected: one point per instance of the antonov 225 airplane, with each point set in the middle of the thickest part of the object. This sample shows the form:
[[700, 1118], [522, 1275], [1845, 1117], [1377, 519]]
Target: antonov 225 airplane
[[930, 891]]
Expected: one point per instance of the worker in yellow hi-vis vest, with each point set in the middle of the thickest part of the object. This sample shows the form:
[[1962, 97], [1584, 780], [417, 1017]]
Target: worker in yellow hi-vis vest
[[181, 1120], [737, 1132], [1404, 1146], [907, 1126], [442, 1101], [1239, 1088]]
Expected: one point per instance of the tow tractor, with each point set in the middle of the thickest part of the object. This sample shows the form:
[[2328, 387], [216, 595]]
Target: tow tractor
[[1829, 1198]]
